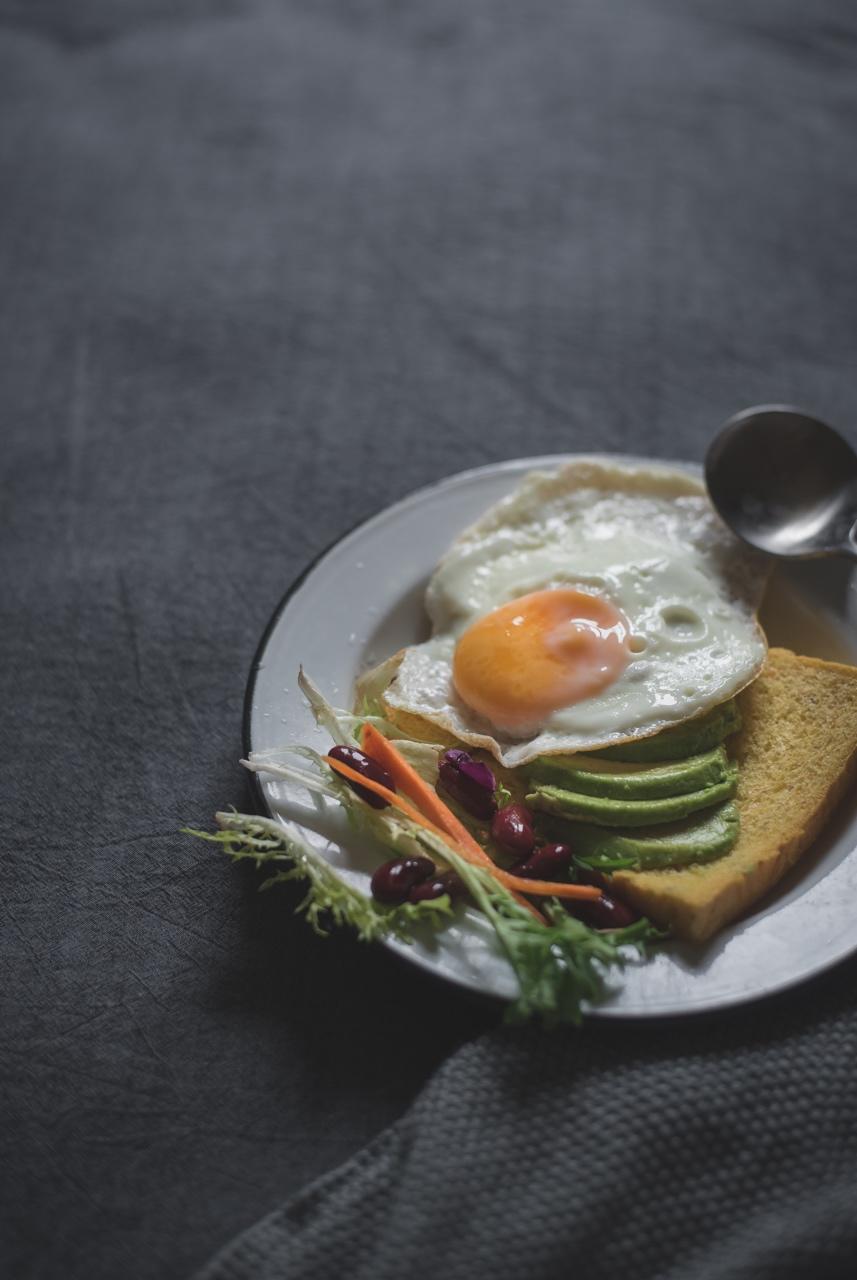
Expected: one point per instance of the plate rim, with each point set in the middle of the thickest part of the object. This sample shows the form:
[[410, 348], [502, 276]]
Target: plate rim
[[715, 1004]]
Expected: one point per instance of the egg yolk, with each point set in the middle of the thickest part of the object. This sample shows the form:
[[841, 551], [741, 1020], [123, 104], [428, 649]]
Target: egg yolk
[[540, 653]]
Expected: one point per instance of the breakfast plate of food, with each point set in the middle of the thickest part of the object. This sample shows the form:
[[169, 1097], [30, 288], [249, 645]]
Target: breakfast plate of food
[[550, 731]]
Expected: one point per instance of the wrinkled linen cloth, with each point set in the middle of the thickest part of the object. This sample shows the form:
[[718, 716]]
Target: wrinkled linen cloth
[[267, 266]]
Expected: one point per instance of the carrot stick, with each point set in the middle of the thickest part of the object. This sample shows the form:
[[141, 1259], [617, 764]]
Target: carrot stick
[[548, 888], [430, 804], [392, 797], [466, 851], [538, 888], [424, 796]]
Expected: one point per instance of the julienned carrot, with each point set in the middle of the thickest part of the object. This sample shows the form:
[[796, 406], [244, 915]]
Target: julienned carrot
[[385, 793], [424, 796], [468, 850], [430, 804], [538, 888]]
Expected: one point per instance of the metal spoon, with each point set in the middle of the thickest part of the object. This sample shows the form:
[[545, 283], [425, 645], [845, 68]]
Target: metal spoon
[[785, 482]]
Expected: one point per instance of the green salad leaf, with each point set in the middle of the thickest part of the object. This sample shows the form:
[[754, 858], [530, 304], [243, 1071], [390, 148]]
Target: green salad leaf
[[329, 900], [339, 724], [561, 965]]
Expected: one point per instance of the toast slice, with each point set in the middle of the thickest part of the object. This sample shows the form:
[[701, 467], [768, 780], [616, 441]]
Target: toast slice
[[797, 754]]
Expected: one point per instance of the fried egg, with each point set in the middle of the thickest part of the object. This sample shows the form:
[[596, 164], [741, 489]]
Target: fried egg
[[594, 605]]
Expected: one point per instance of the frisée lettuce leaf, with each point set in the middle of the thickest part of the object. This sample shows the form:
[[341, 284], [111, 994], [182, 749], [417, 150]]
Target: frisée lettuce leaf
[[560, 963], [330, 900]]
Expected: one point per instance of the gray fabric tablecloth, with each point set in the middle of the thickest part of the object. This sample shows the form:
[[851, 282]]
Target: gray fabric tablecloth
[[266, 267]]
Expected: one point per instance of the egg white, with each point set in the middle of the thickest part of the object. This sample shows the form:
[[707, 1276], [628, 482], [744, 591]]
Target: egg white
[[646, 538]]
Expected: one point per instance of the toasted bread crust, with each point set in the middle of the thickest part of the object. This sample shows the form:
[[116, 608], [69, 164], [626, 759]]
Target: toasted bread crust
[[798, 758]]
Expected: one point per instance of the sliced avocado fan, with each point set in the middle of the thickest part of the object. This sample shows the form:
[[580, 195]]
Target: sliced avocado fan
[[687, 739], [595, 776], [606, 811], [697, 840]]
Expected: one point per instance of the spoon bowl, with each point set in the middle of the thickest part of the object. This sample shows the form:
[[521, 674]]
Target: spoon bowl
[[785, 483]]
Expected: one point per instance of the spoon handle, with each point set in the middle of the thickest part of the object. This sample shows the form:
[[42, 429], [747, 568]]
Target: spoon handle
[[849, 547]]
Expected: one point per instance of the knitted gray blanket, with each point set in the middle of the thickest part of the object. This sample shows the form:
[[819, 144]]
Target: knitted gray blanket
[[723, 1149]]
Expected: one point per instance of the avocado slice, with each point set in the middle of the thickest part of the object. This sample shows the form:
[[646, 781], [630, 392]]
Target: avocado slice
[[699, 839], [687, 739], [595, 776], [607, 811]]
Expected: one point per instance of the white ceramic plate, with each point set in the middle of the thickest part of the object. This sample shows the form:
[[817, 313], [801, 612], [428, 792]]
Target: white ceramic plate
[[363, 600]]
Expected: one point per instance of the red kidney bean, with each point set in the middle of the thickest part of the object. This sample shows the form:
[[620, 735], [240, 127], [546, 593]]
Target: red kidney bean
[[550, 862], [437, 886], [469, 782], [394, 880], [605, 912], [512, 829], [369, 768], [520, 869]]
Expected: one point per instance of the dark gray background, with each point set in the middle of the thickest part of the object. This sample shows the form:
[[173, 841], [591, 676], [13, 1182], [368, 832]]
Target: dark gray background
[[265, 267]]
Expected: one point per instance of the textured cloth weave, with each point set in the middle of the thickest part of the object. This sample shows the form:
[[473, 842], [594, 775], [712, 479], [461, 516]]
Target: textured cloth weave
[[685, 1153]]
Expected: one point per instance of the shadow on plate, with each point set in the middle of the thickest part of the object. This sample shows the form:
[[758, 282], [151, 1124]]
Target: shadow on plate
[[395, 629], [811, 607]]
